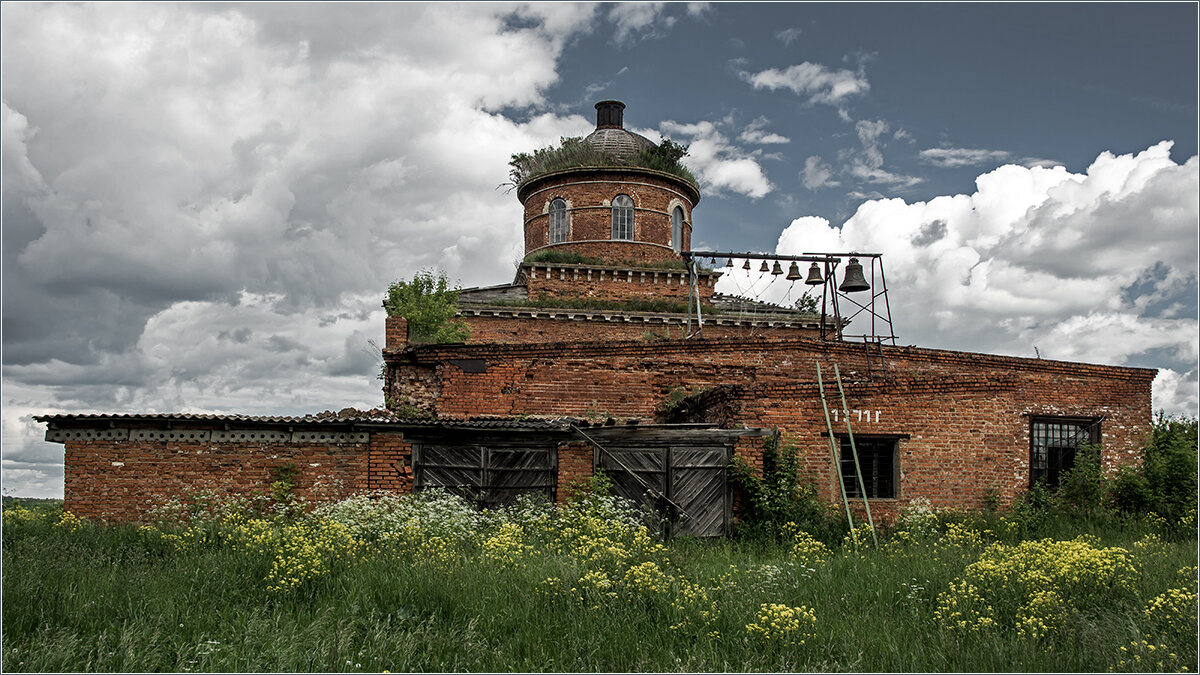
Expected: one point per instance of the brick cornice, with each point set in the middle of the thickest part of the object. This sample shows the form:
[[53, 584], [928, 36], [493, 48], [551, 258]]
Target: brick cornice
[[430, 354]]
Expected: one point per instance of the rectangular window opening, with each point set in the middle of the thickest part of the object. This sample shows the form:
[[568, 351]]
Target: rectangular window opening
[[877, 461], [1053, 442]]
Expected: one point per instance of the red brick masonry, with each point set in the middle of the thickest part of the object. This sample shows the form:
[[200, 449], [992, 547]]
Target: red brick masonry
[[962, 419]]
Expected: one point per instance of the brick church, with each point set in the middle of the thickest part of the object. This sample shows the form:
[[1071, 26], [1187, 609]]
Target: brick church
[[612, 350]]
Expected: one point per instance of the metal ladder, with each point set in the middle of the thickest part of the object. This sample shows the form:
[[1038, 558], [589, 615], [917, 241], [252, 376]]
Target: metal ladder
[[836, 458]]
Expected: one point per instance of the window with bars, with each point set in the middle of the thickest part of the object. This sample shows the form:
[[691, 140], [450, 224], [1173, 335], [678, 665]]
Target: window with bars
[[558, 221], [877, 460], [677, 229], [622, 217], [1053, 442]]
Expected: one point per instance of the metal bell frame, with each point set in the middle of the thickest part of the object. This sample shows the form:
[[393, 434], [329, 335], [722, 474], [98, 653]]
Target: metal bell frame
[[856, 279]]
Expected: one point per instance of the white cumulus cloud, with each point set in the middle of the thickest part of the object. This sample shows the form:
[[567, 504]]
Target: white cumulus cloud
[[1091, 266], [817, 83], [952, 157], [719, 165]]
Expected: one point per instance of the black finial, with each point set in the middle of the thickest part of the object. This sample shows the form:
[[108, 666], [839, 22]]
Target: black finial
[[609, 115]]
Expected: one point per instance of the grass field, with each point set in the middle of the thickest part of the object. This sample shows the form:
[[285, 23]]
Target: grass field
[[425, 583]]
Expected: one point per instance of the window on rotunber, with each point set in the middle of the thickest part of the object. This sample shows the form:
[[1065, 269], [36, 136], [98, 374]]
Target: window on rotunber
[[622, 217], [558, 221], [1054, 442], [677, 229]]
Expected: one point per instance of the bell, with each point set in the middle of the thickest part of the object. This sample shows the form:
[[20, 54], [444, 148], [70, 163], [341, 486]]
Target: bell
[[729, 264], [793, 272], [764, 267], [854, 280], [814, 276], [746, 265], [776, 270]]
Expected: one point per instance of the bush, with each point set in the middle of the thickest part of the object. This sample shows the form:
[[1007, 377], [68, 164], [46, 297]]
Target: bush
[[1081, 489], [429, 305], [575, 152], [779, 502], [1169, 467], [1129, 491]]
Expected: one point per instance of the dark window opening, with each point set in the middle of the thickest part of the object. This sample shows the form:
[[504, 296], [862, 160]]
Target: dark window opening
[[1053, 442], [876, 460]]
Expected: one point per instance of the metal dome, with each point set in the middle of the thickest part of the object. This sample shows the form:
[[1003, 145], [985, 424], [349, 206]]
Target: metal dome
[[611, 136]]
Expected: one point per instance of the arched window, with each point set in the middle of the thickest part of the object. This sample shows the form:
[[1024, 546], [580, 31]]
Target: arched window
[[558, 221], [622, 217], [677, 229]]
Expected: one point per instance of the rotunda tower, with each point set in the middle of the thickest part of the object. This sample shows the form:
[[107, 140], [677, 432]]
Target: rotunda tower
[[608, 198]]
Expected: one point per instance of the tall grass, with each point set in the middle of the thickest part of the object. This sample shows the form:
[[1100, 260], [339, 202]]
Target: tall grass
[[423, 583]]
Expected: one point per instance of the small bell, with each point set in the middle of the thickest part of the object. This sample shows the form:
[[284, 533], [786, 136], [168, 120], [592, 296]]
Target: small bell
[[729, 264], [776, 270], [854, 280], [764, 267], [746, 265], [793, 272], [814, 276]]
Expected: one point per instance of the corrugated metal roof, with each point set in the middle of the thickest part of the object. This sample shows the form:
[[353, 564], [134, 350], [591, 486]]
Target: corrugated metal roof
[[376, 416]]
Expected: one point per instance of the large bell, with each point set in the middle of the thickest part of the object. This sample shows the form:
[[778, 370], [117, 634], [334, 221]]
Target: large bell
[[793, 272], [854, 280], [776, 270], [764, 267], [814, 276]]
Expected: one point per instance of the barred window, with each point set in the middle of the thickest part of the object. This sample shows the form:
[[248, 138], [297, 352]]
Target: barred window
[[558, 221], [877, 460], [677, 229], [1053, 442], [622, 217]]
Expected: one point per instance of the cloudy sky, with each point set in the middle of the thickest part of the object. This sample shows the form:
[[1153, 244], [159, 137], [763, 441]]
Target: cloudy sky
[[203, 204]]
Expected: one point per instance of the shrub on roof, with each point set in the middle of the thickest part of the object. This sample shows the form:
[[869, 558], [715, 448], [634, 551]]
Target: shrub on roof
[[573, 152]]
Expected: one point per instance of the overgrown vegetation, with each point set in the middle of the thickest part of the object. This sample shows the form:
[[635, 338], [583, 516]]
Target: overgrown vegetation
[[574, 152], [779, 499], [1162, 487], [429, 304], [423, 582], [562, 258], [1068, 580]]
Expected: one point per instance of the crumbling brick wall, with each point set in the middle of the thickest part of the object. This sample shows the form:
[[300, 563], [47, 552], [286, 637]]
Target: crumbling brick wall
[[963, 418]]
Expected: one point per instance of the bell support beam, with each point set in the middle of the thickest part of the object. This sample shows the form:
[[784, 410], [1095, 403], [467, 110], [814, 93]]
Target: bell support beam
[[881, 328]]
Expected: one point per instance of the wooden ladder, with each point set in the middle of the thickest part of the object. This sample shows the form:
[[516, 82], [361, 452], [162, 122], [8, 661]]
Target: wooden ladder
[[836, 457]]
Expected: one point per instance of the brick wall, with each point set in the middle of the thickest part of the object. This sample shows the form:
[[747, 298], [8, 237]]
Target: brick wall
[[575, 461], [614, 284], [615, 252], [121, 480], [389, 463], [589, 194], [965, 417]]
